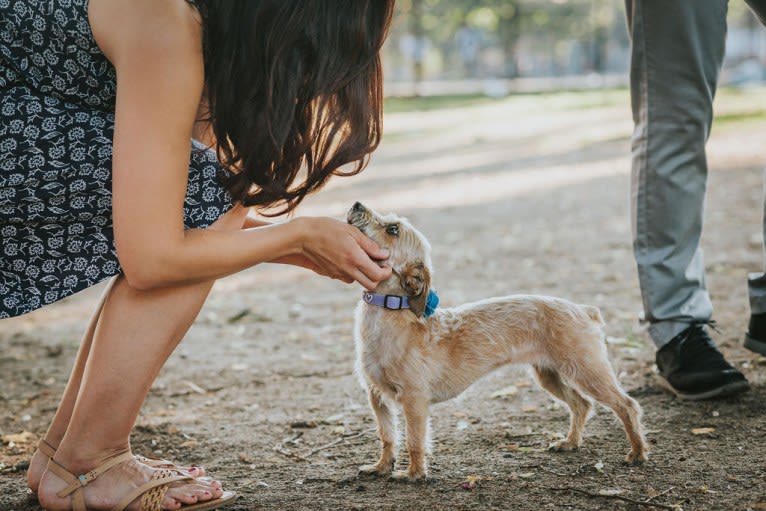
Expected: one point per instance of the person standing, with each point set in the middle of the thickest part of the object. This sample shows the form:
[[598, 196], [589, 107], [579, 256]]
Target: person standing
[[676, 55]]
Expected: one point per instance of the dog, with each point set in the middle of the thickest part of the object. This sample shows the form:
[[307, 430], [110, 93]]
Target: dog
[[409, 359]]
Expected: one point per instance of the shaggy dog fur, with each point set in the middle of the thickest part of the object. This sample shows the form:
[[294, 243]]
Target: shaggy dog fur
[[408, 361]]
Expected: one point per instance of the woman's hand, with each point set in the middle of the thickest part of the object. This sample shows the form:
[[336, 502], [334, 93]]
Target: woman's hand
[[341, 251]]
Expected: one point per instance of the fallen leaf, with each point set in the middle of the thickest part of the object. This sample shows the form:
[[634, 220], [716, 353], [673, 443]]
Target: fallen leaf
[[702, 431], [303, 424], [236, 317], [472, 481], [195, 388], [333, 418], [339, 430], [510, 390], [759, 506], [599, 466], [25, 437]]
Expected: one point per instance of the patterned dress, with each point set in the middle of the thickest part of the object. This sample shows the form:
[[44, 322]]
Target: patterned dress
[[57, 96]]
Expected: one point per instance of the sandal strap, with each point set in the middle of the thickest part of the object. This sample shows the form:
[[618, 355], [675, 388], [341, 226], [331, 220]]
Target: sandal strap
[[153, 492], [160, 463], [78, 482], [46, 448]]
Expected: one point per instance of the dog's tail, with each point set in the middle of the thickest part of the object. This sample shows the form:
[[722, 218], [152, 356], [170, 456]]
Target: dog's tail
[[594, 314]]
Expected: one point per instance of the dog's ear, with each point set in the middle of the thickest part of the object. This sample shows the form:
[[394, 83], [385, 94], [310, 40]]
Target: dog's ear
[[416, 281]]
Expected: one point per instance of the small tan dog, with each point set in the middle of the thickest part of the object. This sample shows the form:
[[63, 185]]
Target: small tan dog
[[411, 361]]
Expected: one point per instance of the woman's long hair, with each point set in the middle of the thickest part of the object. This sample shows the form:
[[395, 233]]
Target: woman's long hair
[[295, 92]]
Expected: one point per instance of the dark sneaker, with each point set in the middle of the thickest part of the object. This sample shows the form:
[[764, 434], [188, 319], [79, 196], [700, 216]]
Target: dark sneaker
[[693, 368], [755, 338]]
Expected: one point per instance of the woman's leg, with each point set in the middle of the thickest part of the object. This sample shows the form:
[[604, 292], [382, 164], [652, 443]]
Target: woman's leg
[[63, 413], [133, 336], [60, 420]]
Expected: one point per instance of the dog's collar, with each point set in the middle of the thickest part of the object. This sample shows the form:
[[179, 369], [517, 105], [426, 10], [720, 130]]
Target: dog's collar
[[390, 302], [396, 302]]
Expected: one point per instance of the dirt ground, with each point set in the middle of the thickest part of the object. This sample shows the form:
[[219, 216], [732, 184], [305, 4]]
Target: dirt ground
[[522, 195]]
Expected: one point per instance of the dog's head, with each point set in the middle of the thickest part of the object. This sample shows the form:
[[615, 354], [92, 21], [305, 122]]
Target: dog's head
[[410, 254]]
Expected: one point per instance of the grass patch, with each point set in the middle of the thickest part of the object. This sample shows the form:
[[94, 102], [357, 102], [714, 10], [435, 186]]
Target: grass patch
[[429, 103], [563, 100], [732, 104], [734, 117]]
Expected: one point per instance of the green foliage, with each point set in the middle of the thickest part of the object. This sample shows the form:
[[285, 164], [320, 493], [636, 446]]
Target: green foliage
[[502, 22]]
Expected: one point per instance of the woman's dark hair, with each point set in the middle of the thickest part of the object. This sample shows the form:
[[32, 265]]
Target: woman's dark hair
[[295, 92]]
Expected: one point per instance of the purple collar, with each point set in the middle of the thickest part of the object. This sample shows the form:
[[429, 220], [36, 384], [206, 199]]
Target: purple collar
[[390, 302]]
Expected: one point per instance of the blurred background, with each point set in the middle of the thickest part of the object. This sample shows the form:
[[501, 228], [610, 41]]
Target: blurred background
[[497, 47]]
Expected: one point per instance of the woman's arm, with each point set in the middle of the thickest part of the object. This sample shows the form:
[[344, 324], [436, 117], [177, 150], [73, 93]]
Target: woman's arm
[[156, 50]]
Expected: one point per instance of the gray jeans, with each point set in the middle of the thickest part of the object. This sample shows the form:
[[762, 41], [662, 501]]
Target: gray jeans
[[677, 51]]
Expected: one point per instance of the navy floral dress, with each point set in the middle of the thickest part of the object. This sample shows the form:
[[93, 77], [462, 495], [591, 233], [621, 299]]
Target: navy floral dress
[[57, 96]]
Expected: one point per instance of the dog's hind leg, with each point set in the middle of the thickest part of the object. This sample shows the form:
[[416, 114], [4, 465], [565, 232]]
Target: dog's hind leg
[[595, 378], [386, 433], [579, 406]]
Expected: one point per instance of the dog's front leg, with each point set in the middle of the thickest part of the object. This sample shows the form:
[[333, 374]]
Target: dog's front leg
[[415, 410], [386, 433]]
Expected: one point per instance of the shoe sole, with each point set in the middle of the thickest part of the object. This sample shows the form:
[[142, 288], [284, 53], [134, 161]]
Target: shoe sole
[[730, 389], [755, 345]]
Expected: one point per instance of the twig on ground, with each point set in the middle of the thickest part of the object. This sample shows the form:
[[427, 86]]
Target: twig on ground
[[292, 455], [305, 457], [660, 494], [338, 441], [617, 497]]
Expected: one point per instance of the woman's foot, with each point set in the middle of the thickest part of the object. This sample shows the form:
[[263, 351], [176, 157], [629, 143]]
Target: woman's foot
[[108, 489], [39, 463], [36, 469]]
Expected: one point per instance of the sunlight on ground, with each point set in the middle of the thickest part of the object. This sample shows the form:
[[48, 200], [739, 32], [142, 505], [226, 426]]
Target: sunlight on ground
[[441, 154]]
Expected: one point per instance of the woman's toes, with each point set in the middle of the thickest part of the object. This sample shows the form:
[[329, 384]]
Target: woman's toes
[[193, 493], [171, 503], [210, 484]]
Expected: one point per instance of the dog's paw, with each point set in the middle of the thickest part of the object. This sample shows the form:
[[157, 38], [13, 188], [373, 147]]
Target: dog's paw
[[375, 470], [636, 457], [408, 476], [563, 446]]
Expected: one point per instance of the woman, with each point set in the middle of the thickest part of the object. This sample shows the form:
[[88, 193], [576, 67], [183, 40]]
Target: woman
[[98, 179]]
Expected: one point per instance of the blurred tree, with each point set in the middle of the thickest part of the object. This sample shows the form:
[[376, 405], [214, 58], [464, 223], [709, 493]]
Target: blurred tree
[[448, 39], [504, 22]]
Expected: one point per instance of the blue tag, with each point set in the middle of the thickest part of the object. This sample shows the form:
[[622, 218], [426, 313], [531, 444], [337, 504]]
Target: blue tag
[[432, 302]]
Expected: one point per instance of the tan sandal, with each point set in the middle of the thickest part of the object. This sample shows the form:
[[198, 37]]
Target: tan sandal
[[151, 493], [48, 450]]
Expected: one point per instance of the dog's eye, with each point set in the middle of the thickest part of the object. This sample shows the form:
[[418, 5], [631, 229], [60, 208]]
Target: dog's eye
[[392, 229]]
